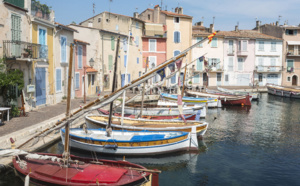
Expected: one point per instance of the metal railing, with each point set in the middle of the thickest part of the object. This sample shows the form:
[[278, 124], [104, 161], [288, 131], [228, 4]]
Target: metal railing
[[24, 50]]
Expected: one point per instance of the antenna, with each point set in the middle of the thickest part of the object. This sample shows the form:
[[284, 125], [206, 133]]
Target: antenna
[[214, 20], [202, 18], [161, 3], [94, 9], [279, 17]]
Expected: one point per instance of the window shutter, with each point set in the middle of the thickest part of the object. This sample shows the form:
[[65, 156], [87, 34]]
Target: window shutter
[[122, 80], [110, 62], [295, 32], [63, 49], [244, 45], [214, 42], [178, 37], [152, 45], [137, 60], [77, 81], [218, 63], [173, 79], [58, 79], [137, 42], [125, 45], [230, 64], [112, 43], [125, 60], [128, 76], [79, 57]]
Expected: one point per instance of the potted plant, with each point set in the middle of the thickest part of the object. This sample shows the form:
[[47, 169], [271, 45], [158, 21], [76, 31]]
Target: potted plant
[[28, 52]]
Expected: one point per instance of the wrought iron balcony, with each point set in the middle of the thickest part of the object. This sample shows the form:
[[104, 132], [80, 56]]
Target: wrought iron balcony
[[23, 50], [261, 68]]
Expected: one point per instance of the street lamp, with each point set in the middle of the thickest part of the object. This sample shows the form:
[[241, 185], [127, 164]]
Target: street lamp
[[92, 62]]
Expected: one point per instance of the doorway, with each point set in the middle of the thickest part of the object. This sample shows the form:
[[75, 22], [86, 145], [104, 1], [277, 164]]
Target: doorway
[[205, 79], [294, 80]]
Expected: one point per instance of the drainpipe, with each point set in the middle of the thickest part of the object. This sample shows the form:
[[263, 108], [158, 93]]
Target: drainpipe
[[102, 62]]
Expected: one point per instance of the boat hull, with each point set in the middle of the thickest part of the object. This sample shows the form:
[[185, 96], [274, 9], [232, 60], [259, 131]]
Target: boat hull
[[98, 121], [283, 91], [85, 141], [47, 172]]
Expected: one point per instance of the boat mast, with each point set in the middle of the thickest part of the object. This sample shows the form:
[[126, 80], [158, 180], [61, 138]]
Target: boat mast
[[126, 76], [66, 153], [108, 128], [144, 85]]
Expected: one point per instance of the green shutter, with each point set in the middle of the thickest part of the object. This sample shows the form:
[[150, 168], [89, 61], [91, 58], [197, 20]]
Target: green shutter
[[18, 3], [16, 27], [112, 43], [110, 62]]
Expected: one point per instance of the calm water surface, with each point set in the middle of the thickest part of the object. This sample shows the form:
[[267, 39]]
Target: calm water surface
[[243, 146]]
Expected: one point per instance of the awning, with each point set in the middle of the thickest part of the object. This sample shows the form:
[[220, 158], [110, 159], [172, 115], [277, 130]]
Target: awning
[[293, 42], [91, 70], [154, 29]]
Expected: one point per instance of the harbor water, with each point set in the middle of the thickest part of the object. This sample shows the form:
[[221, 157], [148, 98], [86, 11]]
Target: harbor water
[[257, 145]]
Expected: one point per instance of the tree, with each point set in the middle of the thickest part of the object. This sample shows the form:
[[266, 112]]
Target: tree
[[9, 80]]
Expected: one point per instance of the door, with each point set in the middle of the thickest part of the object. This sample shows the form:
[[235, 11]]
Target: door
[[272, 79], [40, 84], [219, 79], [294, 80], [205, 79]]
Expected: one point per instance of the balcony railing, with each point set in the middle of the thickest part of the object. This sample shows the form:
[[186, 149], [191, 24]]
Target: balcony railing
[[24, 50], [293, 53], [260, 68]]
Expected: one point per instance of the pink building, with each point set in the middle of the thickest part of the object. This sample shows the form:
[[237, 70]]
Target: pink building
[[154, 49], [82, 70]]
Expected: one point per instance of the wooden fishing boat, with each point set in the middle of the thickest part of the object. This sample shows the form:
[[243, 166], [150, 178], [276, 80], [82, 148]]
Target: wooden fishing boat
[[283, 91], [211, 102], [223, 93], [225, 99], [164, 111], [254, 95], [49, 169], [129, 124], [133, 142]]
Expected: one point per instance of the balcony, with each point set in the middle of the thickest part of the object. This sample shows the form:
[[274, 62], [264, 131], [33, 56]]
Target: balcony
[[267, 69], [293, 53], [20, 50], [230, 52], [242, 53]]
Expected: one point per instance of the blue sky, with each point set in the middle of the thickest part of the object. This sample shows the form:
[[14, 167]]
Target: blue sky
[[227, 13]]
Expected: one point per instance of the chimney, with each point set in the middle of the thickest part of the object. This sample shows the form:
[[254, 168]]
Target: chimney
[[257, 23], [176, 10], [156, 14], [200, 23], [180, 10], [211, 28], [136, 15], [277, 23], [236, 28]]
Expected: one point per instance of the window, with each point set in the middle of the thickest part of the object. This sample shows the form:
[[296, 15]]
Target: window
[[136, 24], [260, 77], [196, 78], [149, 17], [63, 49], [199, 64], [199, 39], [243, 45], [77, 80], [16, 27], [112, 43], [230, 47], [226, 77], [58, 80], [99, 20], [176, 37], [176, 52], [214, 42], [79, 57], [117, 27], [173, 79], [261, 46], [152, 45], [110, 62], [125, 60], [138, 60], [290, 32], [240, 63], [230, 64], [219, 77], [260, 64], [137, 41], [288, 78], [273, 46], [176, 19], [290, 65], [214, 62]]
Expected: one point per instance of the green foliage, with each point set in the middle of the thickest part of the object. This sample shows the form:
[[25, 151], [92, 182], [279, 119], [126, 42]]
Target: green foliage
[[9, 80], [36, 5], [14, 111]]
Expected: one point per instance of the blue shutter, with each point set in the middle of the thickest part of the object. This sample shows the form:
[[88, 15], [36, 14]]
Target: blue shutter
[[63, 45], [178, 37], [125, 45], [173, 79], [136, 24], [125, 60], [128, 80], [77, 80], [58, 80], [199, 64], [137, 42], [197, 78], [295, 32], [122, 80], [137, 60], [175, 37]]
